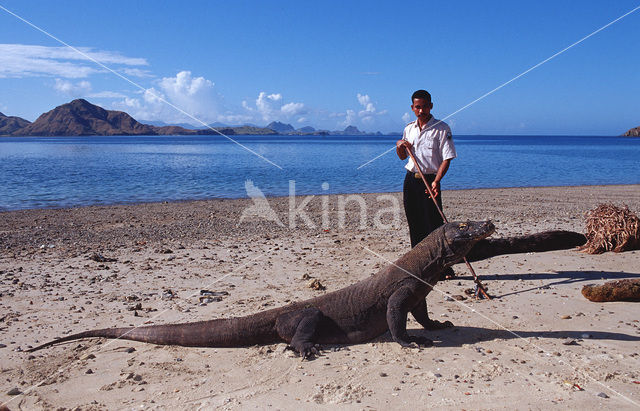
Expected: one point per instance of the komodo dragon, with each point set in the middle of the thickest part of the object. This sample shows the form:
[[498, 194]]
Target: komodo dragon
[[353, 314]]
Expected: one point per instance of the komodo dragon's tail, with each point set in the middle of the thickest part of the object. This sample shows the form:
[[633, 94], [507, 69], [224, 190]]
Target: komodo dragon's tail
[[539, 242], [232, 332]]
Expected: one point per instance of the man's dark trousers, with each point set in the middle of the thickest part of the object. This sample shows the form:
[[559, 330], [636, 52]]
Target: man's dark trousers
[[422, 215]]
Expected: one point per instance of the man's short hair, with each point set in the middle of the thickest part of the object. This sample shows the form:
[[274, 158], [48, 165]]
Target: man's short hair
[[421, 94]]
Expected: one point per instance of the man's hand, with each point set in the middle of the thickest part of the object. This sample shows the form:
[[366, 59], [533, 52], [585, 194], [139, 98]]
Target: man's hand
[[401, 148], [435, 187]]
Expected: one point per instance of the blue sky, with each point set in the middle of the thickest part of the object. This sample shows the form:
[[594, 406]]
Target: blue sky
[[330, 64]]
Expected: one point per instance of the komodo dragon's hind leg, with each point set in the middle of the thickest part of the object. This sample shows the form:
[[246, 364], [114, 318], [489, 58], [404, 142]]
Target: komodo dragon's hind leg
[[398, 307], [299, 329], [421, 315]]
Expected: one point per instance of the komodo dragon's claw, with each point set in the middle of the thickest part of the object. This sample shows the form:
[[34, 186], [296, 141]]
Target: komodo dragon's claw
[[416, 341], [306, 351], [309, 353], [438, 325], [421, 341]]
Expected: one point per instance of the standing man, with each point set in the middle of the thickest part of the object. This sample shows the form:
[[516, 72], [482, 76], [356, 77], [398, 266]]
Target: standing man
[[432, 145]]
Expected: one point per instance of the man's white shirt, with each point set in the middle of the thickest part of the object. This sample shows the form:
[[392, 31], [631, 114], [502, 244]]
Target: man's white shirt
[[431, 146]]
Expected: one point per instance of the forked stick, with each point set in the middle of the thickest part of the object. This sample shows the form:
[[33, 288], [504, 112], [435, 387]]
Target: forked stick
[[481, 288]]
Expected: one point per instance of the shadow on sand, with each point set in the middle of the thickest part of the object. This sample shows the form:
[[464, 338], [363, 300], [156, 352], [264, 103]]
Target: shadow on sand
[[457, 336], [562, 277]]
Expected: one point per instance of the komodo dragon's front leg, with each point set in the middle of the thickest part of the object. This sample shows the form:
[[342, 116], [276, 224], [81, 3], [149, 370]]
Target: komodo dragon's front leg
[[398, 306], [298, 328], [421, 315]]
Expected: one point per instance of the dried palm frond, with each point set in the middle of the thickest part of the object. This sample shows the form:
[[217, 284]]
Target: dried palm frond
[[611, 228]]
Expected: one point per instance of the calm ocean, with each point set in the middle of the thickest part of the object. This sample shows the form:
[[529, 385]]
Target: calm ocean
[[76, 171]]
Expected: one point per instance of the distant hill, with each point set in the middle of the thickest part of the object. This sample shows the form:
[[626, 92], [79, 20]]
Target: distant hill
[[247, 130], [281, 127], [350, 131], [10, 124], [81, 118], [163, 124], [634, 132]]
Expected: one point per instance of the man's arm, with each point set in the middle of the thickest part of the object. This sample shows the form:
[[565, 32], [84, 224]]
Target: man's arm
[[442, 170]]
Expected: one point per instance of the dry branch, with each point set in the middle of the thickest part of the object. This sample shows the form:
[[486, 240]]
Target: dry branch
[[622, 290], [611, 228]]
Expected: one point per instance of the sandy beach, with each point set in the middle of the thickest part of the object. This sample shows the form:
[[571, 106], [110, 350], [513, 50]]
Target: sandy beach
[[539, 344]]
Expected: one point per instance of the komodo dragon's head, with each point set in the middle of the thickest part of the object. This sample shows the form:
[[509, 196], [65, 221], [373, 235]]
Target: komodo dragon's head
[[461, 237]]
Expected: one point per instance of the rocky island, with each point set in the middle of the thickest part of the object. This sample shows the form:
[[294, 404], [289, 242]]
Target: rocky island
[[82, 118], [9, 124], [634, 132]]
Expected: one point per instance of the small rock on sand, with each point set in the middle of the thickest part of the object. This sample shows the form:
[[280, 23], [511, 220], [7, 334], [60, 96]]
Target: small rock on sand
[[315, 284], [14, 391]]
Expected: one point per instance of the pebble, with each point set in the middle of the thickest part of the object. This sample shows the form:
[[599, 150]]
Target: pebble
[[565, 317], [570, 341], [206, 299], [602, 395], [129, 350], [89, 371], [2, 345], [167, 294], [87, 357], [14, 391], [213, 293], [383, 374], [316, 285]]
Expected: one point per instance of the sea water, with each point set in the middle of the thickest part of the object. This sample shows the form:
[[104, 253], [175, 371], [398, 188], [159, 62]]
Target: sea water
[[45, 172]]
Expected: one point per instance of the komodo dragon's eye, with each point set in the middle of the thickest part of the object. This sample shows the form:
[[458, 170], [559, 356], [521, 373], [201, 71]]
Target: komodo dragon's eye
[[462, 226]]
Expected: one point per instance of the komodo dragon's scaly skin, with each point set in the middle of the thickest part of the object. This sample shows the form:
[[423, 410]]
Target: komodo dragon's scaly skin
[[353, 314]]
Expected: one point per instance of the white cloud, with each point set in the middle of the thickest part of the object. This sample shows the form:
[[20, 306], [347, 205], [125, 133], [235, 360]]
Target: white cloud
[[268, 105], [365, 116], [131, 102], [292, 109], [369, 109], [184, 93], [82, 89], [271, 107], [234, 119], [349, 118], [406, 117], [184, 85], [23, 60], [135, 72], [79, 89], [365, 101], [106, 94]]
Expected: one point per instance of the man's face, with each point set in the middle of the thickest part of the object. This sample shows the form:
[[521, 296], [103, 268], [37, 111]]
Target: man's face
[[421, 108]]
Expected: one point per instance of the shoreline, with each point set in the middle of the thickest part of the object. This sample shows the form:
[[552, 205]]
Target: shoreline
[[538, 335], [268, 197], [515, 211]]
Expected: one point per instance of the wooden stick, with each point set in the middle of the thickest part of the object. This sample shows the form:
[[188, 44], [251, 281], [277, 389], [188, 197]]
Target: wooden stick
[[481, 288]]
